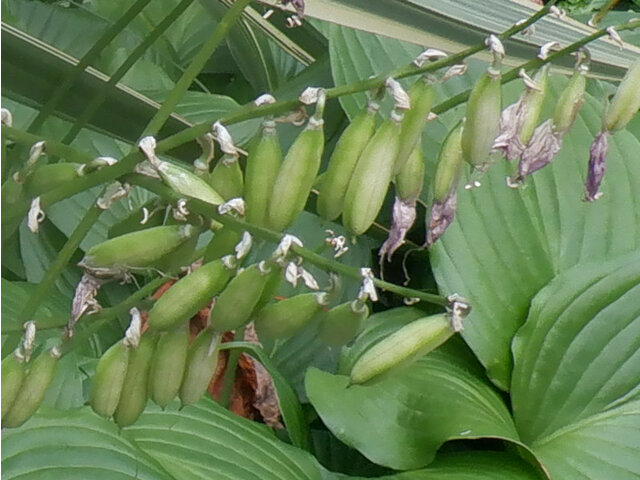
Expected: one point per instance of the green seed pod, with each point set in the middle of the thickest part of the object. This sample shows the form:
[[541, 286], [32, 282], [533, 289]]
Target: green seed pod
[[46, 177], [182, 256], [569, 102], [296, 175], [187, 183], [13, 372], [227, 178], [270, 289], [407, 344], [201, 365], [410, 178], [341, 324], [167, 366], [422, 96], [137, 249], [133, 397], [335, 181], [286, 317], [626, 101], [109, 379], [449, 166], [371, 177], [238, 300], [188, 295], [263, 163], [33, 388], [534, 101], [482, 119], [223, 243]]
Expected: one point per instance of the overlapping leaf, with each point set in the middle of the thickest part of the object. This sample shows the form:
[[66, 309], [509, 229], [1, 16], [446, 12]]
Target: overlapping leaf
[[402, 419], [206, 441], [576, 382], [506, 244], [76, 444]]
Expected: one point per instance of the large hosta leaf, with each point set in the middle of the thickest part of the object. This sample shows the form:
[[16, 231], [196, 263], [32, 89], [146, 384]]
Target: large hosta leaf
[[206, 441], [506, 244], [453, 25], [401, 420], [73, 445], [576, 381], [472, 466], [54, 311]]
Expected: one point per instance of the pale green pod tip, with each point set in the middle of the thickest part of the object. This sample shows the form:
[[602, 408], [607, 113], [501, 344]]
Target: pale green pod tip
[[626, 101], [405, 345], [569, 102], [450, 161], [410, 179], [133, 397], [108, 380], [13, 373], [138, 249], [482, 120], [33, 388], [168, 364], [422, 97], [372, 176], [286, 317], [188, 295], [201, 365], [342, 163]]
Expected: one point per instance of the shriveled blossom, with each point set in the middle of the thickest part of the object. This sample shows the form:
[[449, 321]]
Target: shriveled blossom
[[404, 214], [545, 143], [597, 166], [442, 215]]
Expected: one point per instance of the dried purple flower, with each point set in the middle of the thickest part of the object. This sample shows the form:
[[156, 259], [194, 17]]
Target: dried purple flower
[[404, 214], [545, 143], [597, 166], [508, 140], [442, 215]]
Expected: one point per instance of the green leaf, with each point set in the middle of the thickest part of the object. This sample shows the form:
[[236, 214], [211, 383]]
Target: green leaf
[[206, 441], [54, 311], [453, 25], [67, 213], [401, 420], [470, 465], [198, 107], [576, 382], [506, 244], [32, 72], [76, 444], [39, 250], [67, 388]]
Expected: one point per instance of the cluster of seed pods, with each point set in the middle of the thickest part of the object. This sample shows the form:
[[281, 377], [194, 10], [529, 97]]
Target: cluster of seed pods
[[158, 360]]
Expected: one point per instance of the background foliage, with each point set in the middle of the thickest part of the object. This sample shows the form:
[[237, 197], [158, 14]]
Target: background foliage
[[543, 382]]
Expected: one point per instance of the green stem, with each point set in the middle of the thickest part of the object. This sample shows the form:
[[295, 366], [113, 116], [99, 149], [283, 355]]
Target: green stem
[[60, 262], [100, 319], [250, 111], [196, 66], [86, 61], [137, 53], [535, 63], [230, 373], [599, 16], [58, 149], [211, 212]]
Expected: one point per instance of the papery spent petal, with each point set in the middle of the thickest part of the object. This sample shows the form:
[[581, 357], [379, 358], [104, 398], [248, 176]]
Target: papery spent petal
[[597, 166]]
